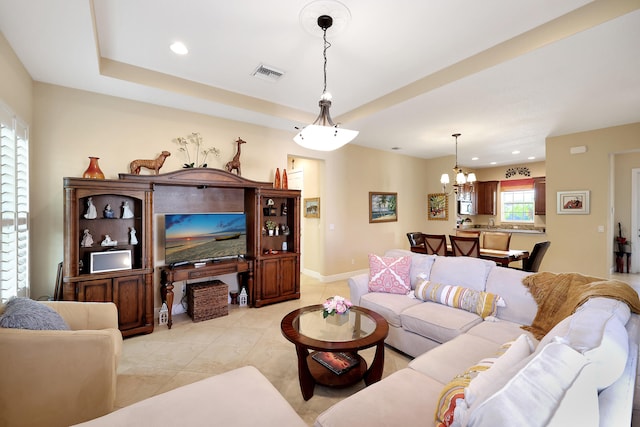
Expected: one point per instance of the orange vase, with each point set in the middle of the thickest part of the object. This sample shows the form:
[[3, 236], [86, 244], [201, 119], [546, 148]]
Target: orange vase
[[285, 182], [93, 171], [276, 184]]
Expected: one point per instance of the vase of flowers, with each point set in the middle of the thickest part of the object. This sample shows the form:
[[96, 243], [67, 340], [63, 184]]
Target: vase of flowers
[[336, 309], [271, 226]]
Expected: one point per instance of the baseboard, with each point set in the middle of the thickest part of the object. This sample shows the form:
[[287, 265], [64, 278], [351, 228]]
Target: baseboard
[[333, 277]]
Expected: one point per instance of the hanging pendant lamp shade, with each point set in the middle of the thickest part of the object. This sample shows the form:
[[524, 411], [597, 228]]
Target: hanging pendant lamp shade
[[323, 134]]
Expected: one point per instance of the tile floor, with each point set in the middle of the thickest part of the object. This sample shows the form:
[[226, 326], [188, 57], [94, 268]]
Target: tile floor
[[166, 359]]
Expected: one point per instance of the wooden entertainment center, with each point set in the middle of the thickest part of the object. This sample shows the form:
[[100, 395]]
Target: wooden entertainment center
[[270, 269]]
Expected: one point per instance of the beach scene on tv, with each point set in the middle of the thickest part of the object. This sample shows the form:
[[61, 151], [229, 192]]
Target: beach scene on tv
[[195, 237]]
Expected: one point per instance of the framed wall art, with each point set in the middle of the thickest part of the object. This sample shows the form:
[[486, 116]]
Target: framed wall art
[[438, 207], [573, 202], [383, 207], [312, 207]]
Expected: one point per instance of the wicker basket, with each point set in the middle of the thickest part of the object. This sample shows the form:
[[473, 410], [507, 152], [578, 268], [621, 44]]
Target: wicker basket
[[207, 300]]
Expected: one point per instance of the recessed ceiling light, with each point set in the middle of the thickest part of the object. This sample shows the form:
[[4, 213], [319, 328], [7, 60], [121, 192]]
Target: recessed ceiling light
[[515, 152], [179, 48], [475, 158], [493, 163], [531, 157]]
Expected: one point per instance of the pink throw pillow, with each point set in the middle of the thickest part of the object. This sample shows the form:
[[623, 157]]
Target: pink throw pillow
[[389, 274]]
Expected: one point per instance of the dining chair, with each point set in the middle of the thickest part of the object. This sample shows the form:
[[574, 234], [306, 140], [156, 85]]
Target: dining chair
[[498, 240], [465, 246], [436, 244], [532, 263], [416, 239], [466, 233]]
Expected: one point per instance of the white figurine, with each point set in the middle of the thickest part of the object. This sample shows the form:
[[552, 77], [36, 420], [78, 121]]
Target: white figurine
[[108, 242], [91, 209], [126, 210], [133, 240], [87, 239]]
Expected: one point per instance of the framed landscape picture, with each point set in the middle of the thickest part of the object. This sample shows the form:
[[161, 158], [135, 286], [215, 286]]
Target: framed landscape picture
[[437, 206], [383, 207], [573, 202], [312, 207]]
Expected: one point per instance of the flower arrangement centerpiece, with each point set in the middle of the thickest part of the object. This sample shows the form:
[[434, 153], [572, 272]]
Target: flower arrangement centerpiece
[[336, 305], [195, 139]]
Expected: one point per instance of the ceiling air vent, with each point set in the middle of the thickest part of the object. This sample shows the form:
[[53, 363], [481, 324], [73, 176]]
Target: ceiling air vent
[[268, 73]]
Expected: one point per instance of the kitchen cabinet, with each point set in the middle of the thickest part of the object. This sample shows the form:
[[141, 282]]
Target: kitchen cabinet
[[540, 194], [486, 197]]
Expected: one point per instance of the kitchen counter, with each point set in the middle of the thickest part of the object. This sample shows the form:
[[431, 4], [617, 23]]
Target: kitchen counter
[[506, 230]]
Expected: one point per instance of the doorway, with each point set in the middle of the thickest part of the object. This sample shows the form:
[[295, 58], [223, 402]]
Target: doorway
[[635, 220]]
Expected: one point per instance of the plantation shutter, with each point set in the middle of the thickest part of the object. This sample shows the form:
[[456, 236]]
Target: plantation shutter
[[14, 205]]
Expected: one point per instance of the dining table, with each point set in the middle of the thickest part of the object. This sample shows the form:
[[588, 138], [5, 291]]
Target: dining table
[[504, 258]]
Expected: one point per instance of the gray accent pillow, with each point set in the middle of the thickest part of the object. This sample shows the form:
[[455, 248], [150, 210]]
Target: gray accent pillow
[[25, 313]]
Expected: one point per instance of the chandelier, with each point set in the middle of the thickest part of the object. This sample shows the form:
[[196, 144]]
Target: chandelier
[[461, 177], [323, 134]]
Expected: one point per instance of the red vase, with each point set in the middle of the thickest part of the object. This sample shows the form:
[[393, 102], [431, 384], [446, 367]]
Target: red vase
[[93, 171], [285, 182], [276, 184]]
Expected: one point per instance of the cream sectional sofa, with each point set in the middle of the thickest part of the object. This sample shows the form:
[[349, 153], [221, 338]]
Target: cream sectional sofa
[[582, 372]]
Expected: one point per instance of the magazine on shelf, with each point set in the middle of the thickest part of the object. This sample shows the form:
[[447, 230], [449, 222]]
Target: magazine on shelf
[[338, 363]]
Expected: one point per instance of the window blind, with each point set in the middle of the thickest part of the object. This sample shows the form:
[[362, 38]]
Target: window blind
[[14, 205], [516, 185]]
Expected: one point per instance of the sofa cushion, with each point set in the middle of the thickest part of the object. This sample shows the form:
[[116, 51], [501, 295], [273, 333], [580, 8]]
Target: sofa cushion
[[453, 357], [420, 263], [499, 331], [533, 394], [605, 345], [211, 401], [599, 335], [25, 313], [389, 274], [482, 303], [461, 271], [516, 351], [388, 306], [520, 305], [437, 322], [390, 402]]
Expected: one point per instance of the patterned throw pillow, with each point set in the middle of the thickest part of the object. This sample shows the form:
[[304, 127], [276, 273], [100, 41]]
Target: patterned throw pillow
[[389, 274], [482, 303], [454, 391]]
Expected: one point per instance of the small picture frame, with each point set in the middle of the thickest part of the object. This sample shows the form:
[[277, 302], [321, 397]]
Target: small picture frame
[[573, 202], [312, 207], [383, 207], [438, 207]]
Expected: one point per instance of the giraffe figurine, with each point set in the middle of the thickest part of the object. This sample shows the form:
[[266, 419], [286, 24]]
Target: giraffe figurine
[[235, 163]]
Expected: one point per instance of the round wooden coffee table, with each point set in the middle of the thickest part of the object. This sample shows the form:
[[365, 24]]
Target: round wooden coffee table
[[311, 333]]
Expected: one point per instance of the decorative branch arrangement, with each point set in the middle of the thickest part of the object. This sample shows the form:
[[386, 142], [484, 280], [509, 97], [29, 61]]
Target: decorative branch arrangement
[[195, 139]]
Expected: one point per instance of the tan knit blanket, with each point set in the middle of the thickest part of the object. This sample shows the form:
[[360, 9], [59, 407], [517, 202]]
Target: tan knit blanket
[[558, 295]]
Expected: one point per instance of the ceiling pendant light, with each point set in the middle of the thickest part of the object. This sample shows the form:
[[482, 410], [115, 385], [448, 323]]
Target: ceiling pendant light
[[461, 178], [323, 134]]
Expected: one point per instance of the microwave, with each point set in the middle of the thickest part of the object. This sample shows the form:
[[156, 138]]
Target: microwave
[[465, 208]]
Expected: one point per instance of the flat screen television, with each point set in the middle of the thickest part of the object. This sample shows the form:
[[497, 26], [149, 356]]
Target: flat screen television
[[204, 236]]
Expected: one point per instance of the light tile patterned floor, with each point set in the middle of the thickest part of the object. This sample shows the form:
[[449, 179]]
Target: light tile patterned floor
[[166, 359]]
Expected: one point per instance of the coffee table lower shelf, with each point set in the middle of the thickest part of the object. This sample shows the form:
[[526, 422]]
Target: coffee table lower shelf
[[323, 375]]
